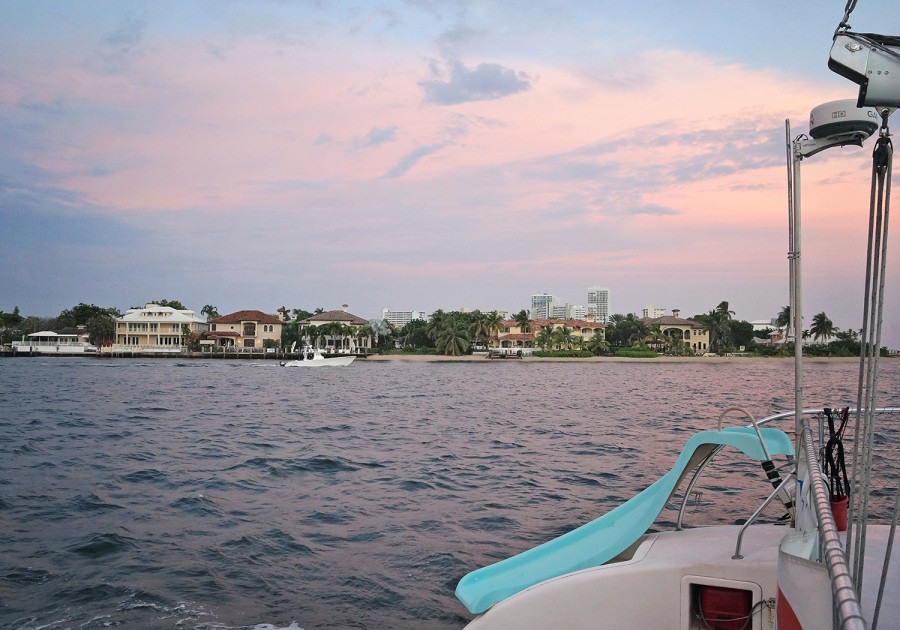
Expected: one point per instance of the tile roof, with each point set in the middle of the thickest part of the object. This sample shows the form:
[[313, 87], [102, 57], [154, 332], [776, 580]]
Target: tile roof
[[537, 324], [246, 316], [670, 320], [516, 336], [335, 316]]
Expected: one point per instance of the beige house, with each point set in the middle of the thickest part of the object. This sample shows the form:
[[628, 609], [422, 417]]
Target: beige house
[[245, 329], [336, 331], [688, 331], [512, 335], [156, 328]]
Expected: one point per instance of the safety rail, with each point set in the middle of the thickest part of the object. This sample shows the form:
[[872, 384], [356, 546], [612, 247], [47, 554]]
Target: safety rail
[[848, 611]]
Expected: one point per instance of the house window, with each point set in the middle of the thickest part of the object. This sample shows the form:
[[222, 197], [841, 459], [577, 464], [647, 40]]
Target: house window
[[249, 330], [248, 343]]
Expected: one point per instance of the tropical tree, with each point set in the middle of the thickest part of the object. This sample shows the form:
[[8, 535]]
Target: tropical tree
[[210, 311], [494, 323], [480, 326], [178, 306], [544, 337], [716, 323], [82, 313], [435, 323], [822, 327], [563, 337], [453, 338], [101, 328], [783, 321], [722, 310], [523, 321], [190, 339], [412, 335], [598, 345]]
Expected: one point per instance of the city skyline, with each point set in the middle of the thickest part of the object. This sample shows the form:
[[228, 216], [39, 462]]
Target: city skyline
[[258, 155]]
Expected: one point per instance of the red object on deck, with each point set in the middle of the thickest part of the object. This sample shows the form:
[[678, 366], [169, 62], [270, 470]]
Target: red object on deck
[[839, 510], [725, 608]]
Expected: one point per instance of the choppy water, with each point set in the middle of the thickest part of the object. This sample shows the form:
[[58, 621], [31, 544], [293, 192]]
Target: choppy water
[[214, 494]]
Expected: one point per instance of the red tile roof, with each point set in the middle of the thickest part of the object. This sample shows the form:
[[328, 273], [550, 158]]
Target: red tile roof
[[537, 324], [246, 316], [516, 336]]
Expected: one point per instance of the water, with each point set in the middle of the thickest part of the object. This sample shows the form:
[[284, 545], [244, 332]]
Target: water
[[216, 494]]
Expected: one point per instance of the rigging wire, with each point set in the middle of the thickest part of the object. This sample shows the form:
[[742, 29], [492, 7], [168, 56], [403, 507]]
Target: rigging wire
[[864, 431]]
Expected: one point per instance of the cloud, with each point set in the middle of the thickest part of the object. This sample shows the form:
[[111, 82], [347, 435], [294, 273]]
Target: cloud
[[380, 135], [412, 158], [649, 209], [489, 81], [120, 45]]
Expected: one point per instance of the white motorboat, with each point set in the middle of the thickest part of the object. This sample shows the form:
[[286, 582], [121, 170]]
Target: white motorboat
[[828, 565], [313, 357]]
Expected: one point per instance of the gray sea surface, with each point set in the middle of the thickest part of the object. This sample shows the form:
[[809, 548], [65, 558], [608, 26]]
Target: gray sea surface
[[232, 494]]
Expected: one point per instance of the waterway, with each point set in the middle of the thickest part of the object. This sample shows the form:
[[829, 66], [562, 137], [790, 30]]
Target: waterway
[[232, 494]]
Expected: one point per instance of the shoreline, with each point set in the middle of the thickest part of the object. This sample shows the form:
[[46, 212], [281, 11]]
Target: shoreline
[[476, 358]]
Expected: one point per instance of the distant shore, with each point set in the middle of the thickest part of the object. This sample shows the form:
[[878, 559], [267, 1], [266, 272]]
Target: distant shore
[[661, 359]]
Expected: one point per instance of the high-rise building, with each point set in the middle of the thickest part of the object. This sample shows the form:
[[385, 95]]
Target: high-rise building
[[652, 312], [598, 303], [567, 311], [400, 318], [542, 305]]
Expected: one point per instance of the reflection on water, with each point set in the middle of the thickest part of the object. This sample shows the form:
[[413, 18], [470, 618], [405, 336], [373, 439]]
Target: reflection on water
[[223, 494]]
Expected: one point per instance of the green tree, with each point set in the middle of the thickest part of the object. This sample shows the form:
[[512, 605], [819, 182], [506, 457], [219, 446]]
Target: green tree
[[300, 314], [544, 337], [523, 321], [716, 324], [742, 334], [822, 327], [101, 328], [82, 313], [453, 338], [210, 311], [494, 323], [178, 306], [290, 335], [413, 335], [598, 345], [563, 337], [783, 321], [190, 339], [480, 327]]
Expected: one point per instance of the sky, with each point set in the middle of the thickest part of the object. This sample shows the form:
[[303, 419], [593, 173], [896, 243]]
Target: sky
[[426, 154]]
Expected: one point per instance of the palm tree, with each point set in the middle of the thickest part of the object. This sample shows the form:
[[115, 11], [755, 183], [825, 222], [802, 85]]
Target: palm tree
[[598, 345], [523, 321], [563, 336], [783, 320], [722, 309], [453, 338], [494, 323], [435, 324], [614, 329], [210, 311], [716, 324], [544, 336], [822, 327], [479, 326]]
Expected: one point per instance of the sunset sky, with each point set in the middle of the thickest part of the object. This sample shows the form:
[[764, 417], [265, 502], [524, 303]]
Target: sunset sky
[[425, 154]]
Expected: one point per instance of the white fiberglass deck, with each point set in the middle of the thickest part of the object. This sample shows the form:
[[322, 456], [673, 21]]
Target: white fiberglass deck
[[652, 589]]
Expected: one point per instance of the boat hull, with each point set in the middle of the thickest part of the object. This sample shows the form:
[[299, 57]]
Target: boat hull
[[321, 362]]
